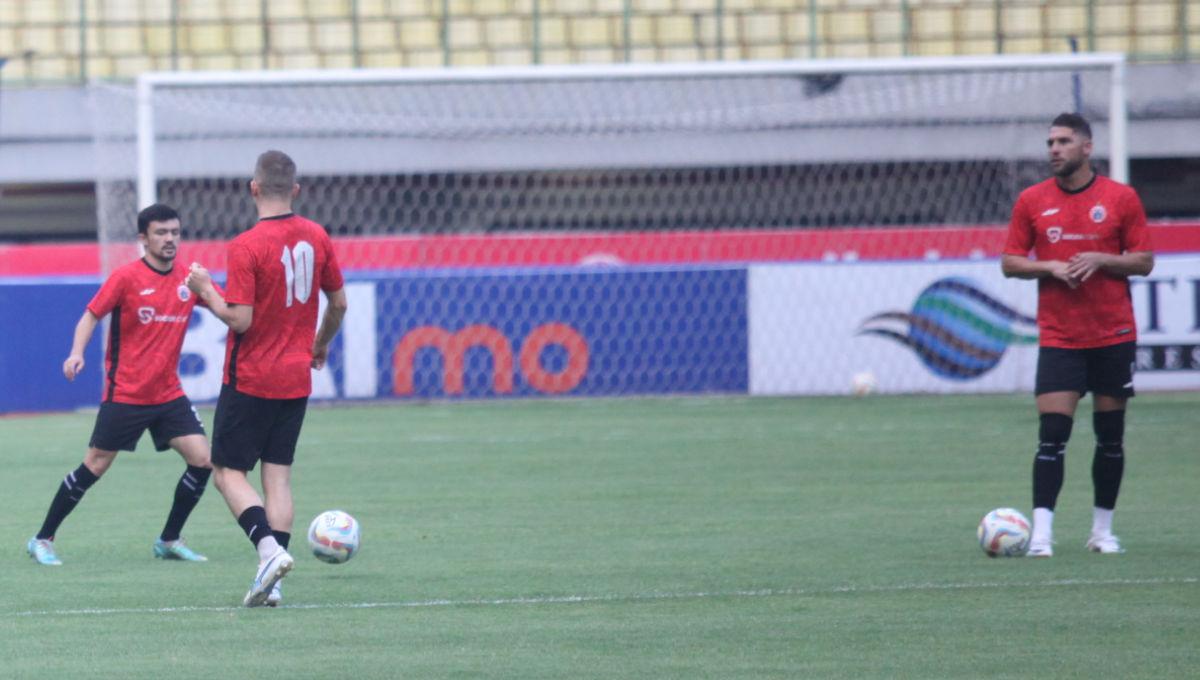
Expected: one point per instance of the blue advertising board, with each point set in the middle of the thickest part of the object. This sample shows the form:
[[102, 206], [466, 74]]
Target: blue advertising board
[[597, 332], [39, 323], [438, 334]]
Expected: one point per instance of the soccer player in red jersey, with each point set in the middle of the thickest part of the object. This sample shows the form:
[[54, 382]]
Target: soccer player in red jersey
[[1089, 236], [151, 308], [270, 305]]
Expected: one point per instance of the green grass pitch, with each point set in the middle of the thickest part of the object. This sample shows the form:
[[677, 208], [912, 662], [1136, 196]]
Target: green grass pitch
[[640, 538]]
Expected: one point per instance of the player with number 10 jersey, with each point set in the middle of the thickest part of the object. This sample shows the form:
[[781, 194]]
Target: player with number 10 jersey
[[276, 267]]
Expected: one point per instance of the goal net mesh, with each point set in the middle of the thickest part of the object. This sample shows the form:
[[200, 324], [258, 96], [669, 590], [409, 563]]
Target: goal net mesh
[[517, 170]]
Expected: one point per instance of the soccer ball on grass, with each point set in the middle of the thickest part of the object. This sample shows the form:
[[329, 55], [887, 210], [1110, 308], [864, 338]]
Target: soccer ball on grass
[[1004, 532], [333, 536]]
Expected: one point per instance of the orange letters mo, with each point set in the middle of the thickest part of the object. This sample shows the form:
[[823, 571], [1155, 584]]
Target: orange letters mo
[[453, 348]]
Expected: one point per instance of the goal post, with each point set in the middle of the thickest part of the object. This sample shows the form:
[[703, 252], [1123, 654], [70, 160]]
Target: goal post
[[612, 229]]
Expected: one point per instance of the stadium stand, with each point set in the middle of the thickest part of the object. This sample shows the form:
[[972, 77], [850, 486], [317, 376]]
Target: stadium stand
[[72, 40]]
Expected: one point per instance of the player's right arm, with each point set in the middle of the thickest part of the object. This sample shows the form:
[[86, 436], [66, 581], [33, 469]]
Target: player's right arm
[[83, 334], [330, 323], [237, 317]]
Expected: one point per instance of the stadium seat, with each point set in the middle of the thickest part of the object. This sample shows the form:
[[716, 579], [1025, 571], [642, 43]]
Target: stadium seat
[[508, 31], [229, 33], [420, 33]]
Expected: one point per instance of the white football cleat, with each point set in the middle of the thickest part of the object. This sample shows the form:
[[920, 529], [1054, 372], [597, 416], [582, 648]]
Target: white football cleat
[[269, 572], [276, 595], [1105, 543], [1040, 549]]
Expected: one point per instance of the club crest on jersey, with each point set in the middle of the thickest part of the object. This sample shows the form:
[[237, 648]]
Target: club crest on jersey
[[145, 314], [184, 293], [1098, 213], [1054, 234]]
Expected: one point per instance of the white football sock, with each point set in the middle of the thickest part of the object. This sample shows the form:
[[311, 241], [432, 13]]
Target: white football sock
[[1043, 526], [1101, 521], [267, 547]]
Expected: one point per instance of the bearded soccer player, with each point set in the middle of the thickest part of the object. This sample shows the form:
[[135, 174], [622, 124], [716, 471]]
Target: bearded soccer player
[[270, 306], [151, 308], [1088, 234]]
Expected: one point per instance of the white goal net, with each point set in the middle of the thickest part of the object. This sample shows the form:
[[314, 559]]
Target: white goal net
[[592, 230]]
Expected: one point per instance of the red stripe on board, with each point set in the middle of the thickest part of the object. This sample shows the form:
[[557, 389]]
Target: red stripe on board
[[671, 247]]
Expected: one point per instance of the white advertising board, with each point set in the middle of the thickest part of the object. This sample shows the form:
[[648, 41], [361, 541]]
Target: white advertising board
[[941, 327]]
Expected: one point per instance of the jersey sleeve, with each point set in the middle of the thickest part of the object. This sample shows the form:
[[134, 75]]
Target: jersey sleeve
[[239, 286], [108, 297], [1020, 230], [1135, 237], [331, 277]]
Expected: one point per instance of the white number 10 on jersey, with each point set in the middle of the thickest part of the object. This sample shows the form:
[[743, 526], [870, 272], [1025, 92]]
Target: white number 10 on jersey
[[298, 270]]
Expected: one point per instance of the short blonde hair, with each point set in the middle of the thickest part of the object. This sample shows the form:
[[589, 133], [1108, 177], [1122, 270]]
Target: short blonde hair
[[275, 173]]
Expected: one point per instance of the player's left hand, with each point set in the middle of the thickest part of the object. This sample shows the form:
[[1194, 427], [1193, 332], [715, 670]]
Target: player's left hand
[[1081, 266], [320, 356]]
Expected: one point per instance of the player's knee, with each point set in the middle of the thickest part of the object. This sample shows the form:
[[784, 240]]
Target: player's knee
[[194, 449], [98, 461], [1055, 428], [1109, 427], [1054, 431]]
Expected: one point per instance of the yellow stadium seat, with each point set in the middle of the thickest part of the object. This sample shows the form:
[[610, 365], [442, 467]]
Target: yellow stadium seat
[[298, 60], [333, 36], [54, 68], [200, 10], [423, 58], [246, 39], [512, 57], [130, 66], [976, 22], [487, 8], [327, 9], [472, 57], [419, 33], [204, 39], [566, 7], [156, 40], [465, 33], [46, 41], [553, 32], [761, 29], [589, 31], [291, 37], [674, 30], [123, 40], [932, 24], [383, 59], [287, 9], [506, 31], [377, 35], [847, 27]]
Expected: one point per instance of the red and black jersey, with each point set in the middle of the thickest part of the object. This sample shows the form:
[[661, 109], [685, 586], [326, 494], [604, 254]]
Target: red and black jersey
[[150, 314], [278, 266], [1104, 216]]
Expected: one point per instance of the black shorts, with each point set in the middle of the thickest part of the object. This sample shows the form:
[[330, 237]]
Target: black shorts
[[120, 426], [248, 429], [1106, 371]]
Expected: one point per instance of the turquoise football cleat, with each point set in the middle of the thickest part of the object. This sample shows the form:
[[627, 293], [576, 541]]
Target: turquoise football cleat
[[176, 550], [42, 552]]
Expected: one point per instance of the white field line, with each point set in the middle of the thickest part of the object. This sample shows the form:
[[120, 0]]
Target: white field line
[[640, 597]]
